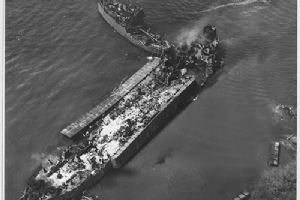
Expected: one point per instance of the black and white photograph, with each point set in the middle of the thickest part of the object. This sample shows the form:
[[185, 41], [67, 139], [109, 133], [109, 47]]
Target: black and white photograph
[[149, 100]]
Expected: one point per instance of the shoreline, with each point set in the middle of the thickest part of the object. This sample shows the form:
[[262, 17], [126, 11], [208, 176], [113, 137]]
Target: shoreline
[[280, 182]]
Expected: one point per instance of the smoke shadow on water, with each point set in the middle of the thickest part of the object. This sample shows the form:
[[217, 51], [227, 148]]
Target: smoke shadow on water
[[116, 174]]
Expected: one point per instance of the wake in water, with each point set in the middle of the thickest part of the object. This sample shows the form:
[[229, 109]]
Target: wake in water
[[236, 3]]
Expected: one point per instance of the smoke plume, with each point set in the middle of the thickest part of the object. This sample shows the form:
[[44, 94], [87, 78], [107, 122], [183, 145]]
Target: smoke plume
[[41, 158], [191, 33]]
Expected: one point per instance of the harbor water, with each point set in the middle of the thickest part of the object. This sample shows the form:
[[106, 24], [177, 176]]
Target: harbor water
[[62, 59]]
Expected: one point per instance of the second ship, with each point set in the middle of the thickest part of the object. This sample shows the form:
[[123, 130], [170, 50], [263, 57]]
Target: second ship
[[128, 21]]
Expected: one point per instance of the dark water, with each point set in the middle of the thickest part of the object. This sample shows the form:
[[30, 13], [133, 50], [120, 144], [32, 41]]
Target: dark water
[[62, 59]]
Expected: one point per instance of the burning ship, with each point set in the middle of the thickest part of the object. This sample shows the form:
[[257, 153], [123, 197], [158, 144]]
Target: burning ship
[[114, 131], [110, 134], [128, 21]]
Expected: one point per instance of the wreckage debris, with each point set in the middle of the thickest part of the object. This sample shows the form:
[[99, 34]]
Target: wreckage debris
[[243, 196], [87, 196], [289, 142], [285, 112]]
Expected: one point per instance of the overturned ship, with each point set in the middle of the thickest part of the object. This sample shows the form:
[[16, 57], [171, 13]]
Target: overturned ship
[[128, 21], [111, 133]]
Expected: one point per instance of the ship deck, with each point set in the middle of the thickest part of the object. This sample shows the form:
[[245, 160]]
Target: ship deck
[[81, 125]]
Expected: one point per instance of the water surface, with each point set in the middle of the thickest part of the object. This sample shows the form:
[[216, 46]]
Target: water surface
[[62, 59]]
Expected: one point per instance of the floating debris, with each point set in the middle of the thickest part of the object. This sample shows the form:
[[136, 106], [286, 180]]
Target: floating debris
[[243, 196], [285, 112], [87, 196], [289, 142]]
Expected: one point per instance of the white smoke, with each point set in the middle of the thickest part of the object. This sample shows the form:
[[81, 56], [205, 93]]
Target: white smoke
[[192, 33], [38, 157], [41, 158]]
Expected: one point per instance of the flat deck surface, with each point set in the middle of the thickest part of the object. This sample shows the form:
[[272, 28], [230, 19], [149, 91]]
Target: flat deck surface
[[71, 130]]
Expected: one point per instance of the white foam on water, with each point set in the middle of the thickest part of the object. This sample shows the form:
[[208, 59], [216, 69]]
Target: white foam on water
[[236, 3]]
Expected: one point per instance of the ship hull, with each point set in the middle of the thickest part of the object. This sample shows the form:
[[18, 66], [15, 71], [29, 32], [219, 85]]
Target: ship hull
[[187, 91], [139, 138], [122, 31]]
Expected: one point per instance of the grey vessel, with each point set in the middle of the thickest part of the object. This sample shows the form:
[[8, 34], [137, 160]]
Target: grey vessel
[[128, 21]]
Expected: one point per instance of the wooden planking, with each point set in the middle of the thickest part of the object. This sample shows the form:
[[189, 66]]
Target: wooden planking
[[74, 128]]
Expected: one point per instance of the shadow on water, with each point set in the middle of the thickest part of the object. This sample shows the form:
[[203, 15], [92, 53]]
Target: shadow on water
[[122, 172]]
